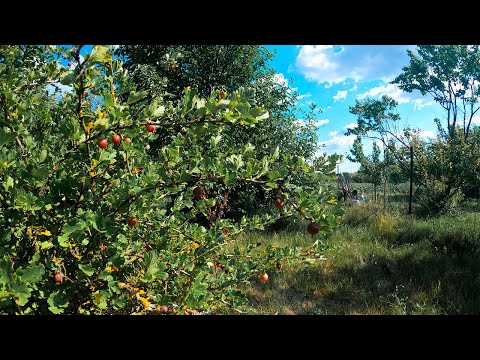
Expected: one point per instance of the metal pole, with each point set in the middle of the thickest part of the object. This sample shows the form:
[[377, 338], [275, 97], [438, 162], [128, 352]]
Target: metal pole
[[411, 181]]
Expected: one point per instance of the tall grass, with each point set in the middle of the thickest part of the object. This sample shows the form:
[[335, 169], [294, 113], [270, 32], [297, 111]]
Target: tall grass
[[380, 262]]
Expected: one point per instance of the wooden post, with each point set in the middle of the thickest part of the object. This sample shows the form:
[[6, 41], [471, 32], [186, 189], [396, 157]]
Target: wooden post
[[411, 181]]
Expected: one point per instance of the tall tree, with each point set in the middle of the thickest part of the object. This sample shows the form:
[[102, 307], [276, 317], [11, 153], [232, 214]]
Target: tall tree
[[451, 75]]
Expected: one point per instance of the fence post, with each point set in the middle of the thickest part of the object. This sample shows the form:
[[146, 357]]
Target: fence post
[[411, 181]]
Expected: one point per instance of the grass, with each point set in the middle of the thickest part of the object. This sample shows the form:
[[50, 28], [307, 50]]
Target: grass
[[380, 263]]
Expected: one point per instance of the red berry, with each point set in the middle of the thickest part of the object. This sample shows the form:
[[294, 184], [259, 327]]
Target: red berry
[[279, 266], [132, 221], [313, 228], [102, 143], [58, 277], [263, 277], [116, 139], [127, 139], [164, 309], [150, 127], [279, 203]]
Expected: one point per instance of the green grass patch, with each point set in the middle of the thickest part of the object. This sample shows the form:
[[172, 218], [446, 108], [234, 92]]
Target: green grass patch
[[379, 262]]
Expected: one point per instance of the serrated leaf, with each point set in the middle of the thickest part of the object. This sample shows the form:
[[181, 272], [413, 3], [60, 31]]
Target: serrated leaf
[[100, 123], [21, 291], [57, 301], [87, 269], [6, 270], [136, 96], [100, 54], [68, 78], [31, 274], [8, 183]]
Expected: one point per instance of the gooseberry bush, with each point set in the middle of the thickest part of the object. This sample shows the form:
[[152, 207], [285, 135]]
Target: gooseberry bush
[[93, 224]]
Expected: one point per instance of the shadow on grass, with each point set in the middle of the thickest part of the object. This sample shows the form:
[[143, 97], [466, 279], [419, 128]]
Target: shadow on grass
[[419, 281]]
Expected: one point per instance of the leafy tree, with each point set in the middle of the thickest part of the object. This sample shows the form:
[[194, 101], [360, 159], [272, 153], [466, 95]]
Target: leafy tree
[[371, 165], [93, 226], [451, 75], [223, 68]]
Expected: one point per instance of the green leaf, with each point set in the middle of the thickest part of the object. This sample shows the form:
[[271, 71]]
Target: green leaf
[[21, 291], [57, 301], [31, 274], [150, 263], [100, 123], [43, 155], [6, 137], [136, 96], [68, 78], [8, 183], [100, 54], [87, 269], [6, 270], [189, 100]]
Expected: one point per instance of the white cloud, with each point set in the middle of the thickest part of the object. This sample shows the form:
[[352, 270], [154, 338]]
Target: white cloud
[[340, 95], [333, 133], [391, 90], [476, 120], [418, 104], [427, 134], [334, 64], [350, 126], [280, 79], [316, 123], [307, 95], [321, 122], [338, 143], [354, 88]]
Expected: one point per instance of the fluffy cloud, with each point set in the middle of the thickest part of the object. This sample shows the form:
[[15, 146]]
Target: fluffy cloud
[[333, 133], [338, 144], [427, 134], [391, 90], [334, 64], [304, 96], [350, 126], [418, 104], [317, 123], [340, 95], [280, 79]]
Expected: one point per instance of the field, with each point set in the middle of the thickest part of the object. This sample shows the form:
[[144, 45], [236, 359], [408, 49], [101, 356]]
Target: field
[[380, 263]]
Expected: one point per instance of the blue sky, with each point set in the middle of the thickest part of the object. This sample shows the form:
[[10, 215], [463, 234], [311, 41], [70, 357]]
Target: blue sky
[[333, 76]]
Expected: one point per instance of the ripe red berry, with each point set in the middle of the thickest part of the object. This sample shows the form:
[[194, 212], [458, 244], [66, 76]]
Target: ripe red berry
[[279, 266], [58, 277], [102, 143], [164, 309], [132, 221], [116, 139], [279, 203], [150, 127], [263, 277], [313, 228]]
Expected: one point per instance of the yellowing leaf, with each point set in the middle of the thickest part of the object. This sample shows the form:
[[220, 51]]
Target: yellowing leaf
[[91, 173], [46, 233], [145, 302], [98, 298], [88, 127], [14, 114]]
